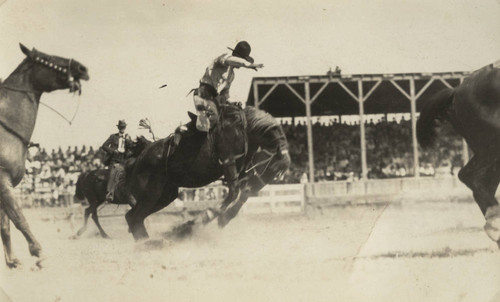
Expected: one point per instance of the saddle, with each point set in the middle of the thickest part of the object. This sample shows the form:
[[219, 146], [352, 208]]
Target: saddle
[[173, 140]]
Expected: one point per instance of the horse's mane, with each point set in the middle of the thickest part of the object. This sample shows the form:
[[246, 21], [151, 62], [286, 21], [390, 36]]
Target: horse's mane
[[258, 121], [233, 112]]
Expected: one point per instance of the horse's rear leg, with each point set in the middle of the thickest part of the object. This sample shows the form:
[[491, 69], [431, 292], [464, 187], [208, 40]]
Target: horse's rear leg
[[482, 176], [10, 258], [96, 220], [135, 218], [13, 211], [86, 215]]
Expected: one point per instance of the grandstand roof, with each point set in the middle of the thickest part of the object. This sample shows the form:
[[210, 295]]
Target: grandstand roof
[[336, 94]]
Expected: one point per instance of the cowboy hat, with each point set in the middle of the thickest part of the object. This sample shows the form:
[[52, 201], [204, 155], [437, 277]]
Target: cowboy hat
[[242, 50], [121, 123]]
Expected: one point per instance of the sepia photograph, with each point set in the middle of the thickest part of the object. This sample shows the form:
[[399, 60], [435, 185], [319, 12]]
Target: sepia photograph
[[168, 150]]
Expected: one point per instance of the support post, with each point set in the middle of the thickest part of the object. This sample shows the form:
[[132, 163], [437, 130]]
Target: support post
[[310, 149], [364, 167], [255, 95], [413, 101], [465, 146]]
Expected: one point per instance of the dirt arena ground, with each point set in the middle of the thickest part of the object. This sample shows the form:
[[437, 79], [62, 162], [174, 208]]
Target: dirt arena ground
[[415, 251]]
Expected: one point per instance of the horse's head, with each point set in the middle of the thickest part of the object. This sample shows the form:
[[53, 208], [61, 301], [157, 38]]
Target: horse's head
[[139, 145], [231, 141], [51, 72]]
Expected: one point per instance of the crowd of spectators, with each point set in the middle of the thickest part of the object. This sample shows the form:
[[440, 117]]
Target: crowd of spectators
[[389, 149], [51, 176]]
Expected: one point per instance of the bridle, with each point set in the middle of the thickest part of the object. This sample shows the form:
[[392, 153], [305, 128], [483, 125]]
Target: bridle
[[45, 60]]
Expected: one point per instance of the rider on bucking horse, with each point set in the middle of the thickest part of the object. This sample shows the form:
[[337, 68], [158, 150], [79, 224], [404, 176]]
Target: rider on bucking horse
[[116, 147], [214, 87]]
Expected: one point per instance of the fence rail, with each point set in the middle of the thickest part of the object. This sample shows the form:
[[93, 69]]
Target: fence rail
[[292, 198]]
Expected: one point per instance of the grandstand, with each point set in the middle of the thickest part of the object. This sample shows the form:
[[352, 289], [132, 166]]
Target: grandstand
[[366, 96]]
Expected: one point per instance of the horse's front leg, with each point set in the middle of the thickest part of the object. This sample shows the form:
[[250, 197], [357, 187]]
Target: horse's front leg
[[232, 195], [482, 176], [277, 166], [12, 209], [10, 258]]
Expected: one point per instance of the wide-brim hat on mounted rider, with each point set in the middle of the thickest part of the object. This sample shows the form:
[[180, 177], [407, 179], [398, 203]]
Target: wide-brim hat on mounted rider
[[242, 50], [121, 123]]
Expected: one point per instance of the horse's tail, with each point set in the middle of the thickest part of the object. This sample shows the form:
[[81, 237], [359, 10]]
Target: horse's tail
[[434, 109], [79, 195]]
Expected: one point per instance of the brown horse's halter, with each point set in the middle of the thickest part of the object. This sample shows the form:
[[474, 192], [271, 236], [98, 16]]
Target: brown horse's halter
[[31, 93]]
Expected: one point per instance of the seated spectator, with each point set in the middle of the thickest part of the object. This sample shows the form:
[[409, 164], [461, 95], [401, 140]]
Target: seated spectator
[[60, 174], [427, 170], [45, 173]]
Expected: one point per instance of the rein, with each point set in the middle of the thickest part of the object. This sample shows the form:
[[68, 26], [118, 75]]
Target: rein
[[14, 132], [266, 161], [30, 95], [67, 71], [61, 115]]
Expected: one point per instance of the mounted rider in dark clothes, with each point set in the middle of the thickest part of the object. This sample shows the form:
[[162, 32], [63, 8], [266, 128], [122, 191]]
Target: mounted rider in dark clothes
[[214, 87], [117, 147]]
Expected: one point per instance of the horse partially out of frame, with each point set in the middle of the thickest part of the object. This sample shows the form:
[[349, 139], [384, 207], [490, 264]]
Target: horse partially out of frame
[[473, 109], [19, 100]]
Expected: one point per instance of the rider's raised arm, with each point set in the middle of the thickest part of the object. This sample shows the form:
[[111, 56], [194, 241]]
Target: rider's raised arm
[[235, 61]]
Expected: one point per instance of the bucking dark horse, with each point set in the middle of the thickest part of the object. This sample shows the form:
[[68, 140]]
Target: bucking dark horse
[[19, 100], [91, 185], [473, 109], [201, 159]]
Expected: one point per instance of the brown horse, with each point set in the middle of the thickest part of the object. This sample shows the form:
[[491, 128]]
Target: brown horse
[[19, 100], [473, 109], [200, 160]]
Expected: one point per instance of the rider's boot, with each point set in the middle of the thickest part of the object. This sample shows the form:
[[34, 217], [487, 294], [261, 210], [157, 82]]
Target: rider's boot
[[110, 188]]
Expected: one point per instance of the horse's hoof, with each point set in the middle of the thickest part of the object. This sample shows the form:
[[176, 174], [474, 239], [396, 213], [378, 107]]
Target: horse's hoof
[[35, 250], [39, 264], [140, 237], [14, 263], [492, 226], [183, 230], [105, 236], [222, 221]]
